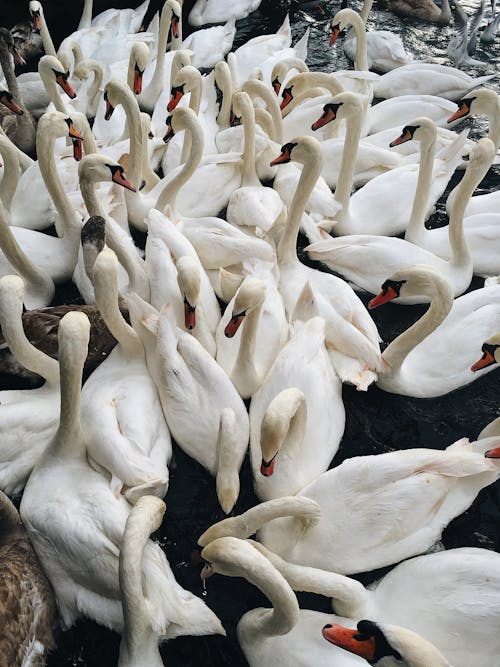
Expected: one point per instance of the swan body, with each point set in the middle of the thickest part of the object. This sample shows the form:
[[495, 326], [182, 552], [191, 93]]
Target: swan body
[[215, 11], [295, 429], [28, 608], [77, 524], [185, 373], [468, 321], [426, 10]]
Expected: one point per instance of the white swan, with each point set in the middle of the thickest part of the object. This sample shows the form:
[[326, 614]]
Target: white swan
[[349, 329], [422, 363], [364, 211], [296, 428], [385, 644], [366, 260], [258, 313], [219, 11], [451, 598], [186, 375], [375, 510], [283, 633], [139, 644], [29, 417], [76, 524], [126, 433]]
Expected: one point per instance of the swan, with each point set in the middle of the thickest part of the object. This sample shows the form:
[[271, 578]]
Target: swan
[[422, 363], [76, 524], [426, 10], [28, 609], [375, 510], [19, 127], [385, 49], [186, 375], [349, 329], [451, 598], [209, 46], [366, 260], [126, 20], [489, 33], [491, 353], [256, 310], [219, 11], [251, 205], [295, 428], [29, 417], [462, 45], [178, 278], [385, 644], [283, 633], [284, 69], [139, 643], [126, 434], [364, 211]]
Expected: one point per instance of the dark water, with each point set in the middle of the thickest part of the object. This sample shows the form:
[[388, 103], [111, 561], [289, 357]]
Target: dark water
[[376, 422]]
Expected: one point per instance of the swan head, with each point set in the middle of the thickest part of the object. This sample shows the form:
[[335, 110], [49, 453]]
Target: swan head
[[189, 281], [481, 100], [139, 58], [242, 103], [59, 125], [250, 295], [421, 129], [302, 149], [175, 21], [231, 556], [343, 105], [97, 167], [7, 100], [383, 644], [491, 353], [282, 67], [51, 66], [114, 92], [340, 22], [36, 12], [183, 119], [185, 80], [415, 280]]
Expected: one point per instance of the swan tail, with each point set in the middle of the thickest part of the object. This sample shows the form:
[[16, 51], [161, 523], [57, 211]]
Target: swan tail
[[479, 81], [301, 46], [452, 154], [306, 305]]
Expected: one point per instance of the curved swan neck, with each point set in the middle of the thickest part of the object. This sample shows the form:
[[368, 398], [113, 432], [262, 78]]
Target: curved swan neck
[[224, 83], [284, 423], [350, 596], [126, 98], [361, 50], [228, 461], [441, 296], [11, 310], [245, 360], [85, 67], [424, 181], [365, 11], [50, 85], [11, 171], [249, 173], [171, 189], [150, 177], [86, 17], [105, 279], [256, 88], [354, 123], [48, 44], [311, 171], [248, 523], [237, 558], [139, 642], [157, 78]]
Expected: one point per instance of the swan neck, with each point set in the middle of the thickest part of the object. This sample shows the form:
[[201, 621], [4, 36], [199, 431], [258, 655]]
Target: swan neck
[[424, 181], [441, 303], [51, 88], [86, 17], [225, 85], [11, 171], [245, 361], [69, 434], [365, 11], [311, 171], [48, 44], [358, 25], [248, 170], [165, 18], [133, 113], [494, 123], [346, 174], [6, 63], [95, 86], [257, 88]]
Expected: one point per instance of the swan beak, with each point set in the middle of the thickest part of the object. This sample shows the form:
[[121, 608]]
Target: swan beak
[[462, 111], [207, 571], [385, 295], [284, 156], [276, 84], [403, 138], [109, 109], [487, 359], [10, 104], [62, 80], [37, 22], [170, 131], [72, 132], [336, 33], [350, 640], [233, 325], [77, 149], [174, 26], [326, 117], [137, 85], [189, 315], [119, 178], [287, 98], [493, 453], [176, 95], [267, 467]]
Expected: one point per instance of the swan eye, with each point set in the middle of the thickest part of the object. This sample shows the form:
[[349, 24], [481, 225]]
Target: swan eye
[[394, 285]]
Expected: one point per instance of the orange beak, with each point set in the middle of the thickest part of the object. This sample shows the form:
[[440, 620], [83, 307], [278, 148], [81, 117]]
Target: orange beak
[[403, 138], [119, 178], [384, 296], [287, 98], [77, 149], [37, 24], [327, 117], [493, 453], [461, 112], [281, 159], [233, 325], [62, 80], [276, 84], [336, 33], [137, 85], [175, 97], [189, 315], [486, 360], [72, 132], [350, 640], [174, 26], [267, 467], [10, 104]]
